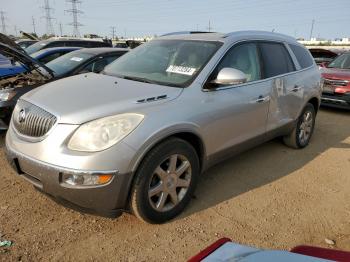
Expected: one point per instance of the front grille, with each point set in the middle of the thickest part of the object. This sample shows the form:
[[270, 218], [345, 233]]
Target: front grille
[[335, 82], [31, 120]]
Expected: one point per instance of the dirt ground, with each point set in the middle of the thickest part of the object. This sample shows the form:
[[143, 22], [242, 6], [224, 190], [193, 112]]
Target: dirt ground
[[269, 197]]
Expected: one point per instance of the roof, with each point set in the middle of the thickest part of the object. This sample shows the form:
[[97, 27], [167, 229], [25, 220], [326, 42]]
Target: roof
[[54, 49], [101, 50], [233, 36]]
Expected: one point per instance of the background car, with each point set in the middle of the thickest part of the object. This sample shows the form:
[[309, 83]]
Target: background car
[[224, 250], [336, 86], [48, 54], [322, 56], [24, 43], [36, 73], [86, 43], [84, 60]]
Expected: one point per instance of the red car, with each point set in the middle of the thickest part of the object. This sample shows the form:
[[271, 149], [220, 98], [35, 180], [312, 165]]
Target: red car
[[224, 250], [336, 87]]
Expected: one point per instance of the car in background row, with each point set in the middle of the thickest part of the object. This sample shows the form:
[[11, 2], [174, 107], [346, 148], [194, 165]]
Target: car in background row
[[24, 43], [322, 56], [138, 136], [48, 54], [336, 86], [86, 43], [84, 61], [36, 73], [224, 250], [43, 56]]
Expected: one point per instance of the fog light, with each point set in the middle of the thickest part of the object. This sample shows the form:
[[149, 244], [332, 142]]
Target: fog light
[[86, 179]]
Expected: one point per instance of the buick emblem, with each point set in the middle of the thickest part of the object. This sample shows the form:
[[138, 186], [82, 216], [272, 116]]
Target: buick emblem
[[22, 116]]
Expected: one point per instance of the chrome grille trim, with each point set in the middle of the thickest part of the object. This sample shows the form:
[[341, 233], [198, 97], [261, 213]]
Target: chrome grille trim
[[37, 122], [335, 82]]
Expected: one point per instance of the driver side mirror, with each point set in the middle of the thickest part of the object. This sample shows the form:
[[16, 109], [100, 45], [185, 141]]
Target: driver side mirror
[[230, 76]]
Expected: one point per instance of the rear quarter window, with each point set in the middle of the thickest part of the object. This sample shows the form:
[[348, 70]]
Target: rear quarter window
[[276, 59], [303, 56]]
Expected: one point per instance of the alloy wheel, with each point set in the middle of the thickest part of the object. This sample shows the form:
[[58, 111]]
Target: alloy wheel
[[169, 183]]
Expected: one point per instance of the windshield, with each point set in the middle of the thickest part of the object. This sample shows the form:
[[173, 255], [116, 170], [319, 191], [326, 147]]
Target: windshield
[[67, 62], [341, 62], [165, 62], [35, 47]]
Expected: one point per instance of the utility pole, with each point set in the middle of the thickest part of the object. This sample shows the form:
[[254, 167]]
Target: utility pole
[[15, 27], [75, 12], [209, 27], [113, 32], [312, 27], [3, 22], [33, 23], [61, 34], [49, 18]]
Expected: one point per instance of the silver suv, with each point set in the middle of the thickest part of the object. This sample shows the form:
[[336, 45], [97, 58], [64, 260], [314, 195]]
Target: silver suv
[[138, 136]]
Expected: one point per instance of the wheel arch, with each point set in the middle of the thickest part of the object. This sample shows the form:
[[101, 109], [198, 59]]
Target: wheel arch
[[315, 102]]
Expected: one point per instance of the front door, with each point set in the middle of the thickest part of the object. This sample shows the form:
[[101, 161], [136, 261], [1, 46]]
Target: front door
[[239, 112]]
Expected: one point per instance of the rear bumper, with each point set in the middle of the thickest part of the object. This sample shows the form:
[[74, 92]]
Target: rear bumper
[[336, 100], [107, 200]]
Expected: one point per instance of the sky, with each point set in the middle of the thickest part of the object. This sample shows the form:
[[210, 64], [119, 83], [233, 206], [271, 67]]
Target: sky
[[136, 18]]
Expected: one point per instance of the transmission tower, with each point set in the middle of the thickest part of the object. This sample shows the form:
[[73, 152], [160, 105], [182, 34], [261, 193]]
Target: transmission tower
[[48, 17], [3, 22], [75, 12]]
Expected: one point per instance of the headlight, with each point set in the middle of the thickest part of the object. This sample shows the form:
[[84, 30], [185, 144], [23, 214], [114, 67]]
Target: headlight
[[103, 133], [7, 95]]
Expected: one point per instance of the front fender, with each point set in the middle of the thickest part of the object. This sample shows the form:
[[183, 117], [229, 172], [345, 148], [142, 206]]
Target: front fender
[[161, 135]]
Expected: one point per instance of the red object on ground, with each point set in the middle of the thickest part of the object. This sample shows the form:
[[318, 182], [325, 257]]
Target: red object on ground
[[206, 252], [320, 252]]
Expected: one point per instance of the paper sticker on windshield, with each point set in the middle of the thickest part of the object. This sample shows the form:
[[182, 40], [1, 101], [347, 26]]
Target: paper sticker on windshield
[[77, 59], [183, 70]]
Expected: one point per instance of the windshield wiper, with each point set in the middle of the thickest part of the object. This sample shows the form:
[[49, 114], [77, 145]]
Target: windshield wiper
[[139, 79]]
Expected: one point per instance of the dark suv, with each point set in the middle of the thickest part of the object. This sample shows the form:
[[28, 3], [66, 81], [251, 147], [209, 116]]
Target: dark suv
[[65, 42]]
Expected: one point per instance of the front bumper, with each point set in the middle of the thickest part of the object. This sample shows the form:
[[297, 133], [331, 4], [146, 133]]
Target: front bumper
[[336, 100], [108, 200]]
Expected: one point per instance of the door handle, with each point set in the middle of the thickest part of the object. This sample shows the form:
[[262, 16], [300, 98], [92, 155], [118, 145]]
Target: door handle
[[262, 99], [296, 88]]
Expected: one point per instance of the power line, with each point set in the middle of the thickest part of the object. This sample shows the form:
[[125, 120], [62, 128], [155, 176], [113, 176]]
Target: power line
[[75, 12], [3, 22], [49, 27]]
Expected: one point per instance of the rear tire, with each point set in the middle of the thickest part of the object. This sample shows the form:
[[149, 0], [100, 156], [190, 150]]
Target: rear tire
[[165, 181], [303, 130]]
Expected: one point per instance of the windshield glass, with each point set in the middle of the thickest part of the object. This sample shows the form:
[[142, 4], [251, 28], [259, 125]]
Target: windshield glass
[[342, 62], [67, 62], [165, 62], [35, 47]]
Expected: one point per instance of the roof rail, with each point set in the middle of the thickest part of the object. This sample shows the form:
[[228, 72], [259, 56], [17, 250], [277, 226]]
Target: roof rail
[[187, 33]]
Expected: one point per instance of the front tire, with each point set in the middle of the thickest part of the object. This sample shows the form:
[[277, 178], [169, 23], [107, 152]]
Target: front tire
[[165, 181], [302, 132]]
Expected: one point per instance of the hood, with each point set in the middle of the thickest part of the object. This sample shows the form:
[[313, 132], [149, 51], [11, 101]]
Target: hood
[[336, 73], [4, 39], [82, 98], [26, 60]]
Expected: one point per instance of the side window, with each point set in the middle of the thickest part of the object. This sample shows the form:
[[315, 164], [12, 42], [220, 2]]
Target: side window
[[95, 66], [303, 55], [276, 59], [50, 57], [55, 44], [243, 57]]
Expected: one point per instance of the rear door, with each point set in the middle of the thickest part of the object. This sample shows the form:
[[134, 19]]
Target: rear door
[[240, 111], [279, 72]]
